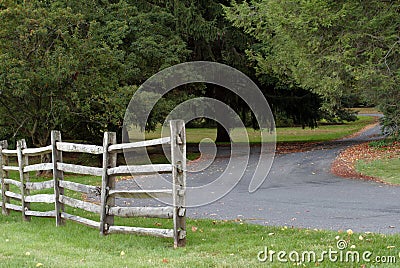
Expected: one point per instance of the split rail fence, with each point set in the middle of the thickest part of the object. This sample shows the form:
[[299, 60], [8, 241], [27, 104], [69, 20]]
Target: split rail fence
[[107, 209]]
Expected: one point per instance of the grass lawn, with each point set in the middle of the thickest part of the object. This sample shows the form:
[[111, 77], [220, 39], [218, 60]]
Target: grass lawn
[[210, 244], [289, 134], [323, 132], [366, 110], [386, 169]]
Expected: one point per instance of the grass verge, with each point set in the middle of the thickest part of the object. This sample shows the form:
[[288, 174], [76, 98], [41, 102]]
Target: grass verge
[[323, 132], [387, 170], [376, 160], [366, 110], [289, 134], [210, 244]]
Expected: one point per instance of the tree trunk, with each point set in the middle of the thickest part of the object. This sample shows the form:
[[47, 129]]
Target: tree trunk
[[125, 135], [222, 134], [42, 140], [44, 158]]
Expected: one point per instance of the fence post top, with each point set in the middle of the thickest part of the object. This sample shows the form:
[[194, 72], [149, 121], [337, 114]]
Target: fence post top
[[21, 143], [3, 144], [55, 136], [109, 133], [177, 121], [53, 132]]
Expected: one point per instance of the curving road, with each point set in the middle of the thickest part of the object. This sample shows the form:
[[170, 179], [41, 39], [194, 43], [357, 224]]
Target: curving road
[[300, 191]]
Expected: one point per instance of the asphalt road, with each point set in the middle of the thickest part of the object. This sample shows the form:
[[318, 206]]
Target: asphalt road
[[300, 191]]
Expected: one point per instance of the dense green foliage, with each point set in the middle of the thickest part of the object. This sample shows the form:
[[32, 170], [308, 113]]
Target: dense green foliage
[[333, 48], [211, 37], [74, 65]]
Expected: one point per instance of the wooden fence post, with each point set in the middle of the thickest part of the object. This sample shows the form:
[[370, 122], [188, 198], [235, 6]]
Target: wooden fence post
[[178, 158], [4, 175], [57, 176], [24, 177], [107, 182]]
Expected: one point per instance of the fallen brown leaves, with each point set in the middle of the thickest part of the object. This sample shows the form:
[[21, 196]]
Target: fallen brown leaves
[[344, 164], [295, 147]]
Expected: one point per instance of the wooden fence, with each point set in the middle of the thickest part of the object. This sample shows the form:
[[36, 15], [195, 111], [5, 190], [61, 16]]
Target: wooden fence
[[107, 209]]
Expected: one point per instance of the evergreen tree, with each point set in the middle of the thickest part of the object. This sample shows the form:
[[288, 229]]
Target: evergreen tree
[[333, 48], [74, 65]]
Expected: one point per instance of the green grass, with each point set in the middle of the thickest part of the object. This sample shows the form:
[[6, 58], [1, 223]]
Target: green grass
[[366, 110], [385, 169], [289, 134], [323, 132], [210, 243], [213, 244]]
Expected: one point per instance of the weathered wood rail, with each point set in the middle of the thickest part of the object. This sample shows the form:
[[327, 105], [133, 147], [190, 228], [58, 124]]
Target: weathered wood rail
[[22, 199]]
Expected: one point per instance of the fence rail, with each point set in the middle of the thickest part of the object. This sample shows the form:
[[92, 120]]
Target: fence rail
[[107, 209]]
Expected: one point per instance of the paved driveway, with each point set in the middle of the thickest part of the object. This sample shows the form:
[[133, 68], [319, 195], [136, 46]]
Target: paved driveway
[[300, 191]]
